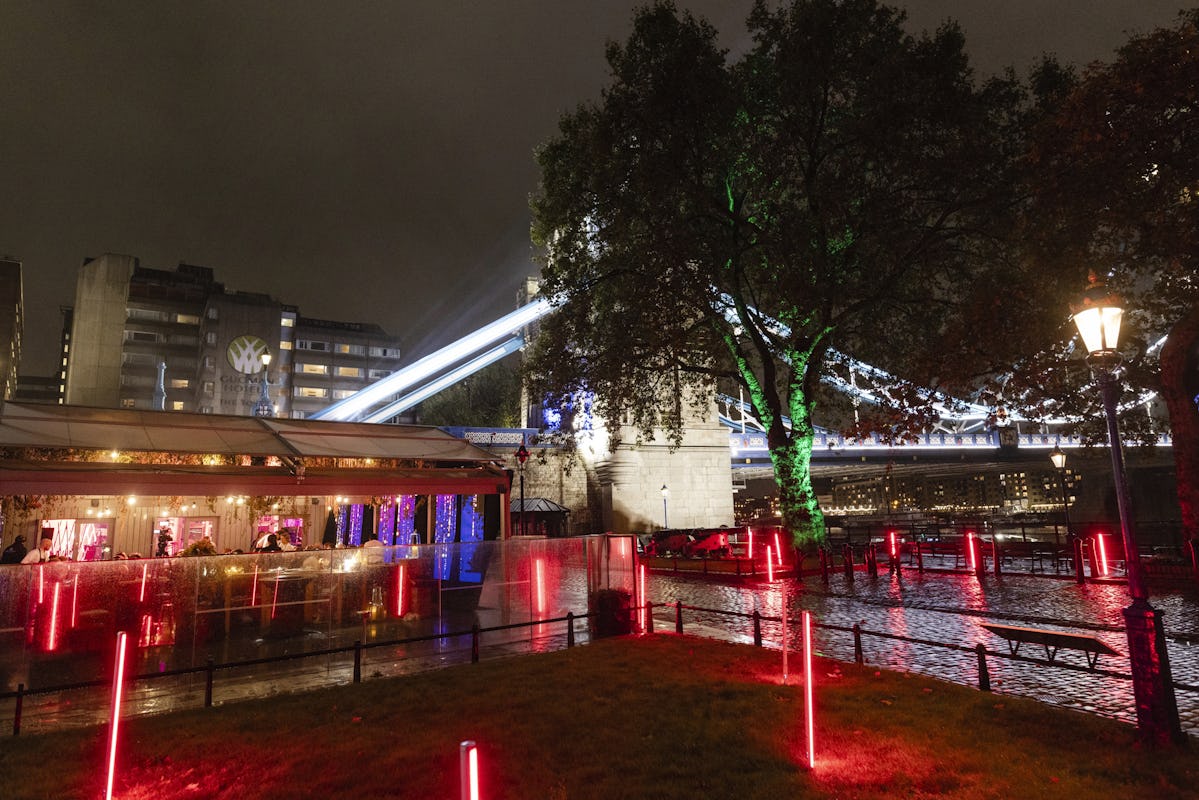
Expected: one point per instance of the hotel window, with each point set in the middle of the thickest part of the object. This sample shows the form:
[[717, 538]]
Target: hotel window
[[385, 352], [141, 336], [311, 344], [180, 383], [128, 402], [377, 374], [349, 372], [351, 349], [209, 387], [312, 369], [177, 405], [210, 337], [287, 321], [284, 345], [187, 319], [342, 394], [212, 313], [311, 391]]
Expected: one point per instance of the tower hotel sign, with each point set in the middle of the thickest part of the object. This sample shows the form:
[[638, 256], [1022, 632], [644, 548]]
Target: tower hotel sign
[[245, 354]]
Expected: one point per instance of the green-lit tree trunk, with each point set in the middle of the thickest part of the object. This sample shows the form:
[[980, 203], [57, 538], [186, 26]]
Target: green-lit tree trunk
[[791, 454]]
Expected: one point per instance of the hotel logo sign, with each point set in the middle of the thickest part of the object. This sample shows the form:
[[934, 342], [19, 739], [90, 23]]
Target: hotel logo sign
[[245, 354]]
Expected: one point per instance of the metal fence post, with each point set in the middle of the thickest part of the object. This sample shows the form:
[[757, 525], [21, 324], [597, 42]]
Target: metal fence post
[[358, 661], [16, 719], [984, 678], [474, 643], [570, 629], [209, 671], [678, 616], [857, 644], [757, 628]]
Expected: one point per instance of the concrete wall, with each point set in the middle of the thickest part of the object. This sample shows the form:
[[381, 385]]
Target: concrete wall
[[98, 330]]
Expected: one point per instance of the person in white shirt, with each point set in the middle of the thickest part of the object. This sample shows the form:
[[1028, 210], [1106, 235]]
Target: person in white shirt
[[40, 553]]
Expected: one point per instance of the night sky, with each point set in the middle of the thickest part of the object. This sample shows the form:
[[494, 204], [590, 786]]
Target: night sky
[[366, 162]]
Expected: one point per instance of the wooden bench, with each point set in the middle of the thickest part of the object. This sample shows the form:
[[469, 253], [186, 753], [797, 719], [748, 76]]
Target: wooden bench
[[1052, 641]]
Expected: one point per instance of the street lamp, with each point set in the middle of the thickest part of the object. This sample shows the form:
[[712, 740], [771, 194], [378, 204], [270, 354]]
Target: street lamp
[[1098, 316], [522, 455], [665, 494], [1059, 463], [264, 407]]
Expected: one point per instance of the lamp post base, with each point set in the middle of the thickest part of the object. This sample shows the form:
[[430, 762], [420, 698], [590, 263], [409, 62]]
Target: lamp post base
[[1152, 684]]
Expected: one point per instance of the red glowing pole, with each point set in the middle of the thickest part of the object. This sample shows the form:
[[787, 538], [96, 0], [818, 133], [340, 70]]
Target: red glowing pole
[[118, 680], [784, 605], [778, 551], [52, 640], [970, 549], [74, 601], [769, 565], [468, 770], [641, 592], [41, 586], [809, 711], [254, 588], [749, 532], [275, 597], [1102, 554], [141, 595], [539, 571], [891, 538], [400, 591]]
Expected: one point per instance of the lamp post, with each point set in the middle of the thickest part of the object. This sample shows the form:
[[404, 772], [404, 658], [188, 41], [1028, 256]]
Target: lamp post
[[665, 494], [264, 407], [1059, 463], [1098, 316], [522, 455]]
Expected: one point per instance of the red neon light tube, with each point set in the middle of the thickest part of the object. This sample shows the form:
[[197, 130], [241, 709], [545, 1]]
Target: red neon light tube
[[254, 588], [539, 571], [749, 532], [970, 545], [1102, 554], [74, 601], [769, 565], [468, 770], [641, 592], [809, 708], [52, 641], [141, 596], [400, 591], [118, 680], [778, 551]]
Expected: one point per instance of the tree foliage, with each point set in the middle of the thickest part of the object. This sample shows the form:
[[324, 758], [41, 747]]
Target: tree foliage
[[1114, 185], [838, 189]]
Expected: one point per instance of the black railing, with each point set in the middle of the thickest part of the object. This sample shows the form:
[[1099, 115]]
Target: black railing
[[859, 654], [210, 668]]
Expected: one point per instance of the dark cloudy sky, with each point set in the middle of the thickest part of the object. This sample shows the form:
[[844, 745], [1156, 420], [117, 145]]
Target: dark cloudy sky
[[365, 161]]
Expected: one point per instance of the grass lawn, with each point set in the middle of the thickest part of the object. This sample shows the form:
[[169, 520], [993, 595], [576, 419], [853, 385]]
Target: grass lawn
[[650, 717]]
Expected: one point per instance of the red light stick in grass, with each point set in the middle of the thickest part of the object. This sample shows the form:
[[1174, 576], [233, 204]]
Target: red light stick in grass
[[970, 550], [809, 712], [749, 533], [74, 601], [468, 770], [118, 681], [769, 565], [784, 605], [778, 551], [1102, 553]]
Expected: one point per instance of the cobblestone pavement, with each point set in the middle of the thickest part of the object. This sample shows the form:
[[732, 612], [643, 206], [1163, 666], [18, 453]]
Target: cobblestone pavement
[[950, 608]]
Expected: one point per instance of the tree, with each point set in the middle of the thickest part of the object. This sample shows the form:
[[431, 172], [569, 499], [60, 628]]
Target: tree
[[1115, 190], [488, 399], [838, 189]]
